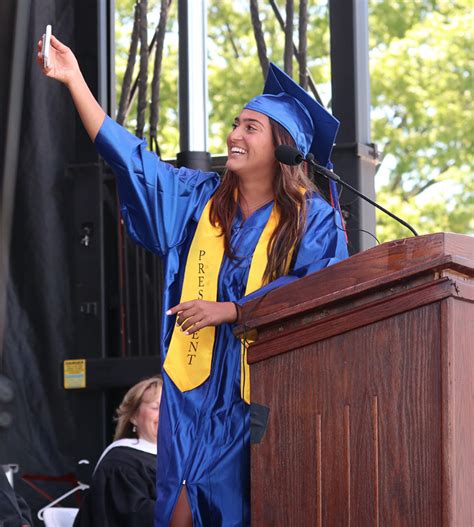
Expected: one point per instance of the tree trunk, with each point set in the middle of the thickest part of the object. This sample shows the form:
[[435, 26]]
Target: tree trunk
[[127, 79], [155, 84], [288, 57], [302, 43], [143, 75], [259, 38]]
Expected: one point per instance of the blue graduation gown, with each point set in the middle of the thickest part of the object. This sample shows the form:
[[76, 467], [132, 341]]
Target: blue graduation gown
[[203, 436]]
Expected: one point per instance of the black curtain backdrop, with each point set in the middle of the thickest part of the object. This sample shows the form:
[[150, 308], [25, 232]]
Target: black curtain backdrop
[[39, 325], [7, 13]]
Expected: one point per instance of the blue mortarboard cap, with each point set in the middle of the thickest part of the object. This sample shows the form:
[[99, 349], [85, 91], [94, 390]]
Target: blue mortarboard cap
[[310, 125]]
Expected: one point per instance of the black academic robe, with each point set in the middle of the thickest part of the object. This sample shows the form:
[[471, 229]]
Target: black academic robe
[[13, 509], [122, 492]]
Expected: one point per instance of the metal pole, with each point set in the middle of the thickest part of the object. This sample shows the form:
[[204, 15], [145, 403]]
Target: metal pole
[[106, 55], [355, 157], [193, 94]]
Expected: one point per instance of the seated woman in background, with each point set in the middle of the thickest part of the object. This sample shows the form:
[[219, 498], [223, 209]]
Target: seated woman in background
[[122, 490]]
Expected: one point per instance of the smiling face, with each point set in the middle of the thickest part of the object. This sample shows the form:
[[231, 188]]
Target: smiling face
[[147, 415], [250, 145]]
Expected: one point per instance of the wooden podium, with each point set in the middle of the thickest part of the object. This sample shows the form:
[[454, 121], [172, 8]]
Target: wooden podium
[[367, 369]]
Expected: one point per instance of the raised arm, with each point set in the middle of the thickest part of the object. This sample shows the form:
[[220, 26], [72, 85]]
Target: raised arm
[[157, 200], [65, 68]]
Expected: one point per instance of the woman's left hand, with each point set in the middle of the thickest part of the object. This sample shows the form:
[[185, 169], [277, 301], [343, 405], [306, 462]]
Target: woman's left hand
[[197, 314]]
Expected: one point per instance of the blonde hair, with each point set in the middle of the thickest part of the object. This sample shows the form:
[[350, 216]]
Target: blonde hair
[[130, 404]]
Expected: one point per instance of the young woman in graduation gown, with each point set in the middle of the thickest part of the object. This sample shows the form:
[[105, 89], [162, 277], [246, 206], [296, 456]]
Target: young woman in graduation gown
[[122, 491], [264, 225]]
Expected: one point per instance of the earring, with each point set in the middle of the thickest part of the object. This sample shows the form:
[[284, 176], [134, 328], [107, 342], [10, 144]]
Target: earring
[[134, 428]]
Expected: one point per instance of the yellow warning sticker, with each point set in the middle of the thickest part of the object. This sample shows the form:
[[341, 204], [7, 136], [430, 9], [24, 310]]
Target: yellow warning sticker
[[74, 374]]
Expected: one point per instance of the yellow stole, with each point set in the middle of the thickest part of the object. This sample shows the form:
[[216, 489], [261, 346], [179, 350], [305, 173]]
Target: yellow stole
[[254, 282], [189, 357]]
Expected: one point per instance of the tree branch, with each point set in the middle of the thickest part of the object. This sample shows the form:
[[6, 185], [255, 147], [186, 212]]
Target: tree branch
[[418, 189], [311, 82], [231, 38], [133, 92]]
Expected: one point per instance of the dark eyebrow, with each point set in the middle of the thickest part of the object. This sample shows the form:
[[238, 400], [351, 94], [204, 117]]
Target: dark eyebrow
[[248, 120]]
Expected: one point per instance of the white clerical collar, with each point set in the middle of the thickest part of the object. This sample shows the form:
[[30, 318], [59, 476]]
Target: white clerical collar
[[137, 444]]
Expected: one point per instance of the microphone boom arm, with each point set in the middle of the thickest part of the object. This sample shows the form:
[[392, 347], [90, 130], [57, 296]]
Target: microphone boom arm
[[328, 174]]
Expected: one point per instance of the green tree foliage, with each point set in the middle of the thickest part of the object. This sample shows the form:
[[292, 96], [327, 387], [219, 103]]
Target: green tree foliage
[[234, 70], [421, 78]]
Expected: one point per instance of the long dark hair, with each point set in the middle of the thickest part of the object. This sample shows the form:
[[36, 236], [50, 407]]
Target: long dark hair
[[289, 200]]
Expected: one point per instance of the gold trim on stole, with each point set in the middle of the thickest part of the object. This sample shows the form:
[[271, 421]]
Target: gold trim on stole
[[189, 357]]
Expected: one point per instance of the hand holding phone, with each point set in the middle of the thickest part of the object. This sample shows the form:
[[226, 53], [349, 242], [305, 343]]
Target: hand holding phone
[[46, 46]]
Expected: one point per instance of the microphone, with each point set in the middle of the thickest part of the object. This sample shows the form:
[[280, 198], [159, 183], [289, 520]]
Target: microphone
[[289, 155]]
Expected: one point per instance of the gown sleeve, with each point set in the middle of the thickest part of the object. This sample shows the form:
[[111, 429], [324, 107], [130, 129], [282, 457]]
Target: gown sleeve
[[323, 244], [122, 492], [157, 200], [131, 498]]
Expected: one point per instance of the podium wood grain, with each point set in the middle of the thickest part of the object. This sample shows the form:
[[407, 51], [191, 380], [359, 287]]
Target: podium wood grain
[[368, 370]]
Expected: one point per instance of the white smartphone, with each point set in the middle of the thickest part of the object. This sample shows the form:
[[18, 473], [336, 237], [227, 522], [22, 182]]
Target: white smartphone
[[46, 45]]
